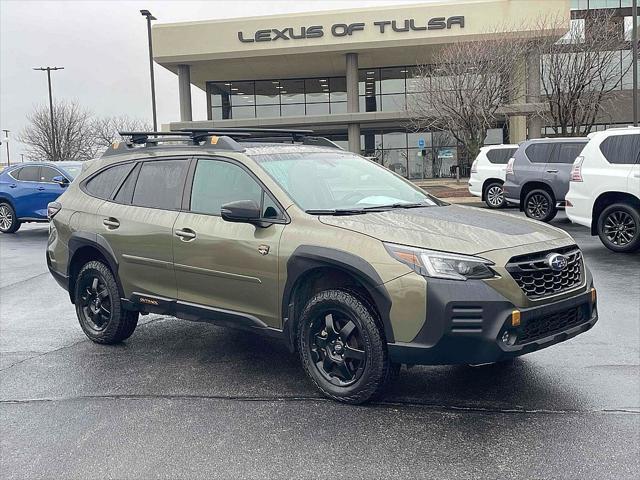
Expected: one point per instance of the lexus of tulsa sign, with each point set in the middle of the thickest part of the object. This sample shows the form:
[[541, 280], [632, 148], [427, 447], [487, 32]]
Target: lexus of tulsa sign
[[346, 30]]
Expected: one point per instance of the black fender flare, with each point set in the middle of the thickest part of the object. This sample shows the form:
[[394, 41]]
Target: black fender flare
[[78, 240], [306, 258]]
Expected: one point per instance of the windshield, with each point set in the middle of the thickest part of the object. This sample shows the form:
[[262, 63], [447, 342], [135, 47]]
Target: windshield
[[339, 181], [72, 170]]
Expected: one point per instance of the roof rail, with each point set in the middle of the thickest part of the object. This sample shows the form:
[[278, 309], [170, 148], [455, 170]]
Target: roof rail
[[295, 134], [139, 138]]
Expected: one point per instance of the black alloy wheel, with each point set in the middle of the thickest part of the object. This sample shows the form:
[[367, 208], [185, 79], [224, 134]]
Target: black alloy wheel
[[494, 195], [95, 302], [9, 222], [539, 205], [335, 345], [619, 228]]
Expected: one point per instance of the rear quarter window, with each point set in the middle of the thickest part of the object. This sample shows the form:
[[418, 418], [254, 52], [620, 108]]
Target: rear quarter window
[[621, 149], [500, 156], [105, 182]]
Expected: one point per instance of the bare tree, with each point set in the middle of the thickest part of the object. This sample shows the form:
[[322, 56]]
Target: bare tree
[[105, 129], [73, 136], [466, 85], [579, 71]]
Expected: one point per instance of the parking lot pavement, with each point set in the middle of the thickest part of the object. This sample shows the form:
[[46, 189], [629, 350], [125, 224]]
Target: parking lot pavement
[[191, 400]]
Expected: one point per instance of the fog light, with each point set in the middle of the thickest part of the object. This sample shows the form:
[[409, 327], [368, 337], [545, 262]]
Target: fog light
[[593, 296], [509, 338]]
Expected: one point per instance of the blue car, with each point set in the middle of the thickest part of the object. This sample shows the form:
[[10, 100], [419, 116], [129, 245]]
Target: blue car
[[27, 188]]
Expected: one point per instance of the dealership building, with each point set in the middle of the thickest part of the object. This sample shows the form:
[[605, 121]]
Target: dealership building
[[350, 74]]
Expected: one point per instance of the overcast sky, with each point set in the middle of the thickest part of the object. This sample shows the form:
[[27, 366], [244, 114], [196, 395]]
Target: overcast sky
[[103, 48]]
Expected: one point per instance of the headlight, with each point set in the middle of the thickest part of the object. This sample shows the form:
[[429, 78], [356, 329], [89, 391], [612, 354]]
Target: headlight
[[431, 263]]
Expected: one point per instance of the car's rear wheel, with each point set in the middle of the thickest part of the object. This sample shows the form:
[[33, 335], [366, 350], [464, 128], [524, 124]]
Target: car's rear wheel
[[98, 305], [540, 205], [9, 222], [619, 228], [494, 195], [342, 348]]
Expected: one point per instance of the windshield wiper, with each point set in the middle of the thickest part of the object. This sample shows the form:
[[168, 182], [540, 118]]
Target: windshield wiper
[[337, 211], [397, 205]]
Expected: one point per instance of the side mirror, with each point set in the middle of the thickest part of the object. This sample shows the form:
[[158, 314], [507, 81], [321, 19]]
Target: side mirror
[[60, 180], [242, 211]]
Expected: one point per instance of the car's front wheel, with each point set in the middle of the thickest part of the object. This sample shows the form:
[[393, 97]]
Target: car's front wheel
[[9, 222], [342, 348], [540, 205], [98, 305], [619, 228], [494, 195]]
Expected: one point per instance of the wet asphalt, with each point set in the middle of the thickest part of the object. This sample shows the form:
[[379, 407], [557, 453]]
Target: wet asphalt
[[190, 400]]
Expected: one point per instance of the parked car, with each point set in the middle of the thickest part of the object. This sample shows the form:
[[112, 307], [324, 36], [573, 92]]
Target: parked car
[[488, 174], [349, 264], [605, 188], [537, 177], [27, 188]]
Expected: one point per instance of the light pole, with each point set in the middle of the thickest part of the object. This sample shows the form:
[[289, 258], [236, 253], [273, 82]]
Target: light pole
[[6, 140], [53, 130], [147, 13], [634, 63]]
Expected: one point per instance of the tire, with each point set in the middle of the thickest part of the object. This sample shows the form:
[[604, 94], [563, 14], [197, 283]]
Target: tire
[[9, 222], [98, 305], [619, 228], [494, 195], [540, 205], [342, 347]]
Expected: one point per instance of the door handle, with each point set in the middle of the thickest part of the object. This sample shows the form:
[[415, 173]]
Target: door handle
[[111, 223], [40, 189], [637, 175], [13, 185], [552, 171], [186, 234]]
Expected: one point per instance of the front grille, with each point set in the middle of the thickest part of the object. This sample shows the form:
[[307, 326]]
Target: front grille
[[542, 327], [537, 279]]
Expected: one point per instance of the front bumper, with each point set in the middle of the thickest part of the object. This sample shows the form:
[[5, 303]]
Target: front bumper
[[471, 331]]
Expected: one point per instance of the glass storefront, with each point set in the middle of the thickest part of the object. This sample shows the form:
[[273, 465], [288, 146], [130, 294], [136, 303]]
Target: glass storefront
[[380, 89]]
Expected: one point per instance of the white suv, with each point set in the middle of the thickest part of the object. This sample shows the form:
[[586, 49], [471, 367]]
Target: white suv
[[604, 192], [488, 174]]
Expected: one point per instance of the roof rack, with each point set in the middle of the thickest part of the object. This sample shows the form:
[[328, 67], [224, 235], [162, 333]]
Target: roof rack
[[218, 138]]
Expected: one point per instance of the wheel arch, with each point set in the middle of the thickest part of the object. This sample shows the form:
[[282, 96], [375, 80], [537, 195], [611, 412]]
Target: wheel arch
[[312, 269], [84, 248], [488, 182], [534, 185], [607, 198]]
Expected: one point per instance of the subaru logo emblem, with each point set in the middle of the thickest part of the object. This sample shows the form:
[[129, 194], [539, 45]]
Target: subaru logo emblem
[[557, 262]]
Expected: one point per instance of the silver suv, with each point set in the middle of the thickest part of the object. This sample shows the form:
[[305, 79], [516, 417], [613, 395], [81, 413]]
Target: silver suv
[[537, 177]]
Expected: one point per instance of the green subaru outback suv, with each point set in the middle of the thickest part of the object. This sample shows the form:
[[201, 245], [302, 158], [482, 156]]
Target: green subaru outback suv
[[282, 233]]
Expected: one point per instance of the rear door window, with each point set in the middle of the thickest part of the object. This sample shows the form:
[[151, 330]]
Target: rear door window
[[160, 184], [567, 152], [104, 183], [539, 152], [28, 174], [621, 149], [500, 156]]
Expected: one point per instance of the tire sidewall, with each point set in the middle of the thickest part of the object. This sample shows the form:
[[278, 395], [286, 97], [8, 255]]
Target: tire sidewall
[[374, 370], [486, 195], [15, 223], [552, 205], [100, 269], [631, 246]]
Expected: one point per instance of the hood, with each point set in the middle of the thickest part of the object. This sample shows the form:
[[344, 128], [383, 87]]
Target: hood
[[452, 228]]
